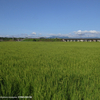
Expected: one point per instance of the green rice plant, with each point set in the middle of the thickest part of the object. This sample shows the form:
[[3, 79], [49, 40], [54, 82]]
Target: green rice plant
[[50, 70]]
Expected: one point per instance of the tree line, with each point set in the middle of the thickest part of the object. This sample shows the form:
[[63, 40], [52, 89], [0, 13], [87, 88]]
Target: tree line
[[29, 39], [9, 39]]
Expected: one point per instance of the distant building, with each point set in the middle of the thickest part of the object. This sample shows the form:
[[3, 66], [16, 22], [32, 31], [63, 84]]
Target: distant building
[[83, 40]]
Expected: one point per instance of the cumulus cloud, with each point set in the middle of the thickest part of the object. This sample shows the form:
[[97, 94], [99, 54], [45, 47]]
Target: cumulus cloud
[[85, 32], [34, 33]]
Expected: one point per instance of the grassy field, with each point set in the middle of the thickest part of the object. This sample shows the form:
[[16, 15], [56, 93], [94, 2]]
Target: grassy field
[[50, 70]]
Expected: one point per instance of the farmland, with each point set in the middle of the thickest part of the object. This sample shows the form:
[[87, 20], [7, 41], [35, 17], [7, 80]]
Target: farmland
[[50, 70]]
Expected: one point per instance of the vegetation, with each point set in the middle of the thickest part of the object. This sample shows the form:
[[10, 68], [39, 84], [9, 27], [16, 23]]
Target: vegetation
[[50, 70], [28, 39], [9, 39], [43, 39]]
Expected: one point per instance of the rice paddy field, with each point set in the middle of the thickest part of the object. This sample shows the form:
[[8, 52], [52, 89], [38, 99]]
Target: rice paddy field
[[50, 70]]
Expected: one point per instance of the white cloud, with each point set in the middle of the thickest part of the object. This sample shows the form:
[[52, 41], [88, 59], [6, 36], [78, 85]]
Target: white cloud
[[79, 33], [84, 32], [91, 33], [40, 34], [34, 33]]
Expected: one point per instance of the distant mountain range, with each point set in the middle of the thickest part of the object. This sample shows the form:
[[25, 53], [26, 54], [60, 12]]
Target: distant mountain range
[[61, 37], [66, 37]]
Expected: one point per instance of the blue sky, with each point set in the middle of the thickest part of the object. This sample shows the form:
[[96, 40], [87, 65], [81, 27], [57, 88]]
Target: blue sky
[[38, 18]]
